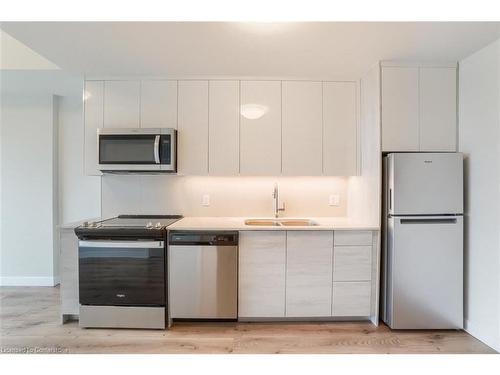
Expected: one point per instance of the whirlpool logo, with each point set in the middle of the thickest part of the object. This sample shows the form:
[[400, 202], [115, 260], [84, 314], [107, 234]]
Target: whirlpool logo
[[427, 161], [120, 295]]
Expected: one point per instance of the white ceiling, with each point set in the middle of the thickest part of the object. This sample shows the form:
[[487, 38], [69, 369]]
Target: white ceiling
[[303, 50]]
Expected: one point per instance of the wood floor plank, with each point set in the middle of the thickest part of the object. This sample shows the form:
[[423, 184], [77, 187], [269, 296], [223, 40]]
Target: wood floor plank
[[30, 323]]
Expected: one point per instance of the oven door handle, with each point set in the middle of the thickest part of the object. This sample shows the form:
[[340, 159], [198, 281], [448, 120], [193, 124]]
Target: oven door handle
[[123, 244], [157, 149]]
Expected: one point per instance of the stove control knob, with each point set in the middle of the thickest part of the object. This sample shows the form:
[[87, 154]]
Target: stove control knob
[[85, 224], [92, 224], [158, 225], [149, 225]]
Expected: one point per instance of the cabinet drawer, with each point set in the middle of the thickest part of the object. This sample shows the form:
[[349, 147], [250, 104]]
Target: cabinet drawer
[[352, 263], [351, 298], [352, 237]]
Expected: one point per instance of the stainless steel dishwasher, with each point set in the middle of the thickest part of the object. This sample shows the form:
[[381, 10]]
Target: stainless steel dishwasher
[[203, 275]]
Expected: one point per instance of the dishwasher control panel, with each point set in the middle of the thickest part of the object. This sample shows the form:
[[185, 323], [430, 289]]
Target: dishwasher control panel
[[203, 238]]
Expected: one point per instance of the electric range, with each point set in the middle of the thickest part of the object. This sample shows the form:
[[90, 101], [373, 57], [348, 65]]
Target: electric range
[[122, 265]]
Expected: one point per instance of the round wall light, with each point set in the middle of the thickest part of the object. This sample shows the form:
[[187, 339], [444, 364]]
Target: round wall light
[[253, 111]]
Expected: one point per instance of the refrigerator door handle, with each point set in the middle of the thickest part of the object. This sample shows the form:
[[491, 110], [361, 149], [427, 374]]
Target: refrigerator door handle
[[390, 199], [438, 220]]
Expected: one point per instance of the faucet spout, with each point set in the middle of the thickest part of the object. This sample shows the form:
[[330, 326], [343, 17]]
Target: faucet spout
[[276, 202]]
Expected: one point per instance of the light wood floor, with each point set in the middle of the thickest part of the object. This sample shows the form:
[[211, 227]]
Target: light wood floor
[[29, 322]]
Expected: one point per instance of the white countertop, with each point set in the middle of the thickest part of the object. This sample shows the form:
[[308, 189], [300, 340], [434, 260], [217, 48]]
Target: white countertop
[[238, 223]]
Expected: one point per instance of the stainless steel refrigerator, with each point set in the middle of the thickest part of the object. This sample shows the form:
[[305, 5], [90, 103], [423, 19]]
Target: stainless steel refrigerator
[[422, 275]]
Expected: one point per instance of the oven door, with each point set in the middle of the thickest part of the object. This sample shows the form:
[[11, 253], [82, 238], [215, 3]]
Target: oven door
[[122, 273]]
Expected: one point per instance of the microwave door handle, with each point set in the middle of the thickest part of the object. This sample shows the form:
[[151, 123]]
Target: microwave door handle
[[157, 149]]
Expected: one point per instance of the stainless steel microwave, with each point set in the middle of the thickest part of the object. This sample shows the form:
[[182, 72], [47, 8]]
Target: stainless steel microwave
[[137, 150]]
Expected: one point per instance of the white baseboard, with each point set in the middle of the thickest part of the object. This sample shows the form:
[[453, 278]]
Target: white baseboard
[[471, 329], [28, 281]]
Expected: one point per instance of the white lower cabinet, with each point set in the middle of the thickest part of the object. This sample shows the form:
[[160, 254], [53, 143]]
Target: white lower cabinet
[[352, 263], [351, 298], [262, 261], [309, 273], [301, 274]]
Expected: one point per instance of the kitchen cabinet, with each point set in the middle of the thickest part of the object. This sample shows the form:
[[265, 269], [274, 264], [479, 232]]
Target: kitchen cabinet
[[438, 109], [309, 273], [300, 274], [192, 136], [261, 274], [400, 111], [68, 271], [352, 263], [93, 119], [302, 132], [224, 124], [352, 299], [158, 104], [340, 129], [260, 128], [419, 108], [122, 104]]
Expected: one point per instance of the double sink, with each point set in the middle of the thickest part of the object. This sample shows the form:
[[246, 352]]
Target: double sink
[[281, 222]]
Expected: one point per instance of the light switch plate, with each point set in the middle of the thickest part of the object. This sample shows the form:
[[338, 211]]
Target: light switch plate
[[334, 200], [205, 200]]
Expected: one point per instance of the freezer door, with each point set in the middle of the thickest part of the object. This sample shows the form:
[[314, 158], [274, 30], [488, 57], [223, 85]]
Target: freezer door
[[425, 183], [425, 279]]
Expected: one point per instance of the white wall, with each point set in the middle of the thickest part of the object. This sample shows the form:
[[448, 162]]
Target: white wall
[[28, 229], [479, 140], [229, 196], [42, 180]]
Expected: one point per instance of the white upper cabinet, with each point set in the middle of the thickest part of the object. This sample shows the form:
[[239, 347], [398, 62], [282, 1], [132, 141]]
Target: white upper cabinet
[[93, 114], [340, 144], [419, 108], [438, 109], [122, 104], [260, 127], [302, 128], [224, 124], [400, 130], [159, 104], [192, 136]]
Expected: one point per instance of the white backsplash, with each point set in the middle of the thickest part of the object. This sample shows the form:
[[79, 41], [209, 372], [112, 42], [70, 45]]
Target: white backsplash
[[229, 196]]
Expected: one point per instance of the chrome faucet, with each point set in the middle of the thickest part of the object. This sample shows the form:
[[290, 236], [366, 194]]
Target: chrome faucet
[[276, 202]]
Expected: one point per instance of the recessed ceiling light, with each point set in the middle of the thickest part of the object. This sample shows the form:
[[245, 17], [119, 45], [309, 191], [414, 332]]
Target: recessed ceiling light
[[253, 111]]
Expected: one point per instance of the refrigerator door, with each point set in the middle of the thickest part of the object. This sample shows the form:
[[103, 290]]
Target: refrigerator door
[[425, 183], [425, 273]]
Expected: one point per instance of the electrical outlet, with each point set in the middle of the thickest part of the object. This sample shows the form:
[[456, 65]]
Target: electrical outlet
[[205, 200], [334, 200]]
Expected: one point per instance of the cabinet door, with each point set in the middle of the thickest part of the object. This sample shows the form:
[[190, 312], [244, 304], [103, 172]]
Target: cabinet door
[[352, 263], [159, 104], [340, 150], [309, 273], [438, 109], [260, 126], [224, 124], [93, 114], [351, 299], [121, 104], [262, 262], [302, 128], [192, 125], [400, 109]]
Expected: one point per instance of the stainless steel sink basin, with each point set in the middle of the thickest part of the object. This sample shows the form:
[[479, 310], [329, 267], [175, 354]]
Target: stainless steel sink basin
[[281, 222]]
